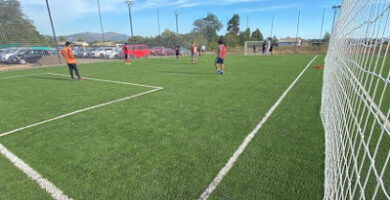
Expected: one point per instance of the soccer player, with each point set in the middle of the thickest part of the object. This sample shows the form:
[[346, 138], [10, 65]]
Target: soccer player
[[263, 49], [271, 48], [125, 49], [220, 57], [193, 52], [70, 60], [177, 49], [268, 47]]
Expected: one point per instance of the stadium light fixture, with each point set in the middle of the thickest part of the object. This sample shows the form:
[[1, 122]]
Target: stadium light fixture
[[335, 9]]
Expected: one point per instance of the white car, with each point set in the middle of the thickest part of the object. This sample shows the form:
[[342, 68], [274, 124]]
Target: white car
[[5, 56], [102, 52], [115, 54]]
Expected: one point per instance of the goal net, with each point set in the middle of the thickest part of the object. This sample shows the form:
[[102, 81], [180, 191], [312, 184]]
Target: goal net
[[356, 103], [253, 47]]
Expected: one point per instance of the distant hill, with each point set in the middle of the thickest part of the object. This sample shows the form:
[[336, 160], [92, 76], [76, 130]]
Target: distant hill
[[90, 37]]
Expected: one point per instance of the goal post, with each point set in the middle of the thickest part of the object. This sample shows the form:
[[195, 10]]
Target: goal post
[[252, 48], [355, 106]]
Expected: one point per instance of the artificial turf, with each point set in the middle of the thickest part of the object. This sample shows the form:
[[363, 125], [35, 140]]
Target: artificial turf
[[169, 144]]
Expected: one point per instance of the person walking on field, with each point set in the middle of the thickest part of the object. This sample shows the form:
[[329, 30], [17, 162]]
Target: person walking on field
[[70, 60], [126, 52], [193, 52], [220, 57]]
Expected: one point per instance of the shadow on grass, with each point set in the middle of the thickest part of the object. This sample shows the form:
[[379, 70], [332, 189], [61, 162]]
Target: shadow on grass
[[187, 73]]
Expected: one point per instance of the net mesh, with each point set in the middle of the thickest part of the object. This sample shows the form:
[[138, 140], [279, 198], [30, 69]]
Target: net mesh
[[356, 103], [252, 47]]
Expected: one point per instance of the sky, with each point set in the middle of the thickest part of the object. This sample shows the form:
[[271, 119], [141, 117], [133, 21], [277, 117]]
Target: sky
[[74, 16]]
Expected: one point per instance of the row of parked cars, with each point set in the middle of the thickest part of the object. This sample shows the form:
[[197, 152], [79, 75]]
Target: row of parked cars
[[22, 55]]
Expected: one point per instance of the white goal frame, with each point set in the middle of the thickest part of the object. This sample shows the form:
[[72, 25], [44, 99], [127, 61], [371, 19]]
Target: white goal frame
[[248, 48]]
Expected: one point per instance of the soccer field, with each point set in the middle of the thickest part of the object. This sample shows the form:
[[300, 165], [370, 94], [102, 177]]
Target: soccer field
[[161, 129]]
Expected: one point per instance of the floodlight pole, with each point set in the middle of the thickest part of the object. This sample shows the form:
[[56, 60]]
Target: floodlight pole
[[54, 32], [296, 37], [272, 24], [129, 4], [177, 23], [100, 19], [322, 27], [158, 21], [335, 9]]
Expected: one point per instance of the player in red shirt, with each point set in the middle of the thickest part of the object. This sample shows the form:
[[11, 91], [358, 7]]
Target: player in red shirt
[[126, 52], [220, 57]]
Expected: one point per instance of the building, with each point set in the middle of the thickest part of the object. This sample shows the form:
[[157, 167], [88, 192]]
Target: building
[[292, 42]]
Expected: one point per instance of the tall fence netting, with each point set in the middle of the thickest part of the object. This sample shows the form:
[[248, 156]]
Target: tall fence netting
[[356, 103]]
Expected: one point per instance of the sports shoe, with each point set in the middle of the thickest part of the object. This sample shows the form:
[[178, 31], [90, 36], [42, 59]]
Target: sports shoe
[[81, 79], [221, 73], [218, 72]]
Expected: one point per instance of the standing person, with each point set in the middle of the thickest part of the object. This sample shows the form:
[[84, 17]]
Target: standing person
[[200, 50], [193, 52], [263, 49], [220, 57], [70, 60], [203, 49], [177, 49], [254, 49], [125, 49], [271, 48]]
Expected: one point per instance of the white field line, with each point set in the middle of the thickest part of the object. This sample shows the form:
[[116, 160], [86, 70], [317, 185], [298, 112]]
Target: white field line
[[19, 76], [248, 139], [78, 111], [34, 175], [110, 81], [45, 184]]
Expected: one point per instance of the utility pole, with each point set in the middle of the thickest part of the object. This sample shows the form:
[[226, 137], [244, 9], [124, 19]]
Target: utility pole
[[272, 24], [247, 21], [296, 37], [158, 21], [177, 23], [101, 21], [129, 4], [335, 9], [54, 32]]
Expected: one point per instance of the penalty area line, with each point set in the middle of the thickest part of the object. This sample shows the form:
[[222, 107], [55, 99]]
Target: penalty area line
[[217, 180]]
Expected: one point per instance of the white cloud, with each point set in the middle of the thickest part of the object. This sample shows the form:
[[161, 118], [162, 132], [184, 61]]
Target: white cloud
[[276, 7]]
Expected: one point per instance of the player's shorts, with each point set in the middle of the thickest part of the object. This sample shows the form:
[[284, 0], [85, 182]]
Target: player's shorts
[[193, 54], [177, 53], [126, 56], [263, 51], [219, 60]]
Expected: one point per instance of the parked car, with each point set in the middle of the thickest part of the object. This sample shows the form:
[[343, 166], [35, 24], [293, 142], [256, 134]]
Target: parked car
[[157, 51], [5, 56], [139, 51], [115, 54], [102, 52], [27, 56]]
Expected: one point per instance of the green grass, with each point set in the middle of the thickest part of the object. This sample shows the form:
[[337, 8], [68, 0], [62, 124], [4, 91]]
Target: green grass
[[171, 143]]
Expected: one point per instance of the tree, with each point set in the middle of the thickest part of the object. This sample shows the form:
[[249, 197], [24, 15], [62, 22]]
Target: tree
[[234, 24], [232, 40], [15, 25], [208, 26], [62, 39], [245, 36], [80, 40], [257, 35], [326, 37]]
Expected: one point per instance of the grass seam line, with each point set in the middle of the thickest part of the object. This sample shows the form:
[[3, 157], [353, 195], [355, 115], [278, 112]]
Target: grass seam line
[[45, 184], [226, 168]]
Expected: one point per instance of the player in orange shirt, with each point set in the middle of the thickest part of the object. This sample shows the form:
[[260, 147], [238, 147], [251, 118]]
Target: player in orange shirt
[[70, 60]]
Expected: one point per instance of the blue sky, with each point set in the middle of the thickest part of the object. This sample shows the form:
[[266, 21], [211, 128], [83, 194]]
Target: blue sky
[[72, 16]]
